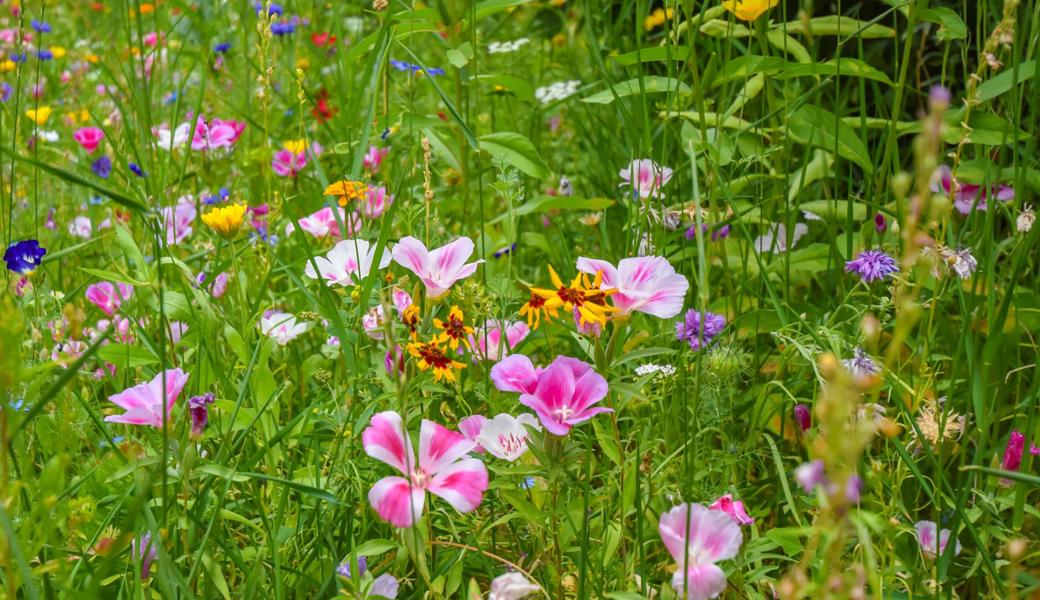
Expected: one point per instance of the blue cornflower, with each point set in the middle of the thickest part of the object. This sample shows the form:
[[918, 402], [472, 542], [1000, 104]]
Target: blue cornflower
[[170, 98], [96, 200], [505, 250], [872, 265], [136, 169], [275, 9], [283, 28], [102, 167], [5, 92], [44, 54], [224, 193], [17, 58], [222, 47], [40, 26], [434, 71], [698, 329], [400, 65], [527, 483], [24, 256]]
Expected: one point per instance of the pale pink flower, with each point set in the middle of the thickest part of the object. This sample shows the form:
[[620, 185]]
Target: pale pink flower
[[281, 327], [443, 469], [440, 268], [402, 299], [733, 508], [374, 158], [512, 586], [377, 200], [506, 437], [178, 220], [216, 134], [489, 343], [178, 330], [349, 261], [66, 353], [926, 538], [81, 227], [121, 329], [89, 138], [470, 429], [697, 538], [324, 223], [144, 402], [287, 164], [219, 285], [562, 395], [108, 296], [373, 321], [647, 284], [645, 177]]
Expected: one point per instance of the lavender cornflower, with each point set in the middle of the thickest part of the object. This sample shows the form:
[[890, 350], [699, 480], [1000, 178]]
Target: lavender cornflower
[[102, 167], [872, 265], [861, 364], [197, 408], [283, 28], [40, 26], [344, 568], [698, 329], [1013, 455]]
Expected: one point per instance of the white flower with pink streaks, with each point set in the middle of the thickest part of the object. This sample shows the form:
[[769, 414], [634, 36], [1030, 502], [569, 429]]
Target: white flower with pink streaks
[[645, 177], [647, 284], [440, 268], [144, 403], [697, 537]]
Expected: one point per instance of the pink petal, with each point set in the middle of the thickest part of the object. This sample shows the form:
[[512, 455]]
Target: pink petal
[[411, 254], [589, 389], [449, 259], [470, 426], [138, 396], [461, 484], [592, 265], [550, 421], [515, 373], [701, 582], [396, 501], [386, 440], [137, 416], [439, 447]]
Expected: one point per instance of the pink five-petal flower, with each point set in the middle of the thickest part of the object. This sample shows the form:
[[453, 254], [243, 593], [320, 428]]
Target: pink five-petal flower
[[926, 538], [89, 137], [697, 538], [647, 284], [443, 469], [735, 509], [565, 393], [515, 373], [108, 296], [440, 268], [348, 259], [645, 177], [324, 222], [488, 342], [288, 164], [144, 402], [470, 428]]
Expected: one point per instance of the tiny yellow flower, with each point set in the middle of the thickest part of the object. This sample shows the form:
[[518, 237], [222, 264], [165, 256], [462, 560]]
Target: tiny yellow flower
[[303, 64], [657, 18], [92, 58], [39, 115], [225, 220], [748, 10], [58, 51], [295, 146], [8, 65]]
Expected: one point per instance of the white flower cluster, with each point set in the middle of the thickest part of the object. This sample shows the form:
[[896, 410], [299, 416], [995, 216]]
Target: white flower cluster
[[660, 370], [507, 47], [557, 91]]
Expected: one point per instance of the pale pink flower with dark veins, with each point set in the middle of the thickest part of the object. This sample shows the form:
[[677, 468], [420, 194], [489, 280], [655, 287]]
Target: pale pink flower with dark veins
[[489, 343], [324, 222], [645, 177], [108, 296], [926, 538], [506, 437], [144, 402], [697, 538], [733, 508], [440, 268], [443, 469], [647, 284], [349, 259], [562, 395]]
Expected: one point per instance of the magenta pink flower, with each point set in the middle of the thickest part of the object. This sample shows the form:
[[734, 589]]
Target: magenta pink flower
[[144, 402], [647, 284], [374, 158], [489, 343], [562, 395], [376, 202], [697, 538], [108, 296], [89, 138], [733, 508], [287, 164], [439, 269], [444, 469], [217, 134], [324, 222]]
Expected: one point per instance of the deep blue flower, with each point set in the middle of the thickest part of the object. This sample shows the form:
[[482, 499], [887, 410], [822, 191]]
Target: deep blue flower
[[505, 250], [41, 26], [382, 136], [275, 9], [224, 193], [283, 28], [24, 256], [434, 71], [44, 54], [17, 58], [102, 167], [872, 265], [5, 92], [222, 47], [400, 65], [170, 98], [136, 169]]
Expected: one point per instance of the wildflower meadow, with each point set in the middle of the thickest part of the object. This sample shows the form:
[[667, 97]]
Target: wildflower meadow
[[506, 299]]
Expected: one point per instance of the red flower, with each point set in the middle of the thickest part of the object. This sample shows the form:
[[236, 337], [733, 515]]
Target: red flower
[[322, 110], [323, 39]]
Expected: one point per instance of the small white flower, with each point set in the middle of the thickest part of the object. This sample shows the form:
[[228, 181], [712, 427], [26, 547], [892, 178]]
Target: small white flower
[[281, 327], [506, 437], [507, 47], [775, 240], [1025, 220], [557, 91], [512, 586]]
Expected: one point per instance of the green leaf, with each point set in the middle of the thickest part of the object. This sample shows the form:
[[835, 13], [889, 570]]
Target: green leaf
[[821, 128], [987, 129], [995, 86], [460, 57], [490, 7], [375, 547], [835, 25], [653, 54], [632, 87], [546, 203], [952, 27], [105, 275], [1026, 478], [126, 356], [777, 68], [306, 490], [516, 150]]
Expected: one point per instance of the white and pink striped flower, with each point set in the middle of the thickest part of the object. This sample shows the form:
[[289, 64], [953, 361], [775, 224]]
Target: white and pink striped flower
[[645, 177], [440, 268], [443, 469], [697, 537], [145, 402], [647, 284]]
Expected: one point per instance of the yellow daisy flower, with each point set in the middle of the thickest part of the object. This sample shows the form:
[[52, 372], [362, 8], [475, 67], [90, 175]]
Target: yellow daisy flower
[[225, 220]]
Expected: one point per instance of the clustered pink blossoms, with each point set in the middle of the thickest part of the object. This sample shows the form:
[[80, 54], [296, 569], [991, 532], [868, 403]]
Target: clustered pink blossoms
[[562, 395]]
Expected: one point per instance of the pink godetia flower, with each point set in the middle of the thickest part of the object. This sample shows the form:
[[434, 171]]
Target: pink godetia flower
[[374, 158], [177, 331], [967, 196], [394, 360], [216, 134], [933, 541], [287, 163], [109, 296], [66, 353], [562, 394], [496, 339], [169, 140], [120, 329], [348, 262], [697, 538], [325, 222], [775, 239], [443, 469], [440, 268], [89, 138], [373, 322], [647, 284], [512, 586], [178, 220], [402, 299], [645, 177], [506, 436], [281, 327], [81, 227], [145, 402], [377, 200], [733, 508], [470, 429]]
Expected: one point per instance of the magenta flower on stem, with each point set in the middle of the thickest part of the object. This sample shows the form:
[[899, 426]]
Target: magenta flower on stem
[[872, 265], [802, 416], [647, 284], [733, 508], [144, 402], [443, 469], [198, 408], [89, 138], [288, 164], [562, 395], [966, 196], [324, 222], [108, 296], [377, 200], [216, 134], [440, 268], [698, 538], [1013, 455], [374, 158]]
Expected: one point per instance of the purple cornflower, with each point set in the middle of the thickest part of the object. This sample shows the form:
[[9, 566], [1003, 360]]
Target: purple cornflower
[[40, 26], [1013, 455], [24, 256], [698, 329], [275, 9], [802, 416], [872, 265], [861, 364], [344, 568], [199, 411], [717, 233], [102, 167], [144, 550]]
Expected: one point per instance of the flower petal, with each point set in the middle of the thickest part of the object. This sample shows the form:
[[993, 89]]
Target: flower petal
[[396, 501], [386, 440], [439, 447], [461, 484]]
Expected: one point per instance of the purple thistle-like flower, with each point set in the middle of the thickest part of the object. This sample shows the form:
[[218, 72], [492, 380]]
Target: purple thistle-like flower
[[698, 329], [24, 256], [872, 265], [199, 411]]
